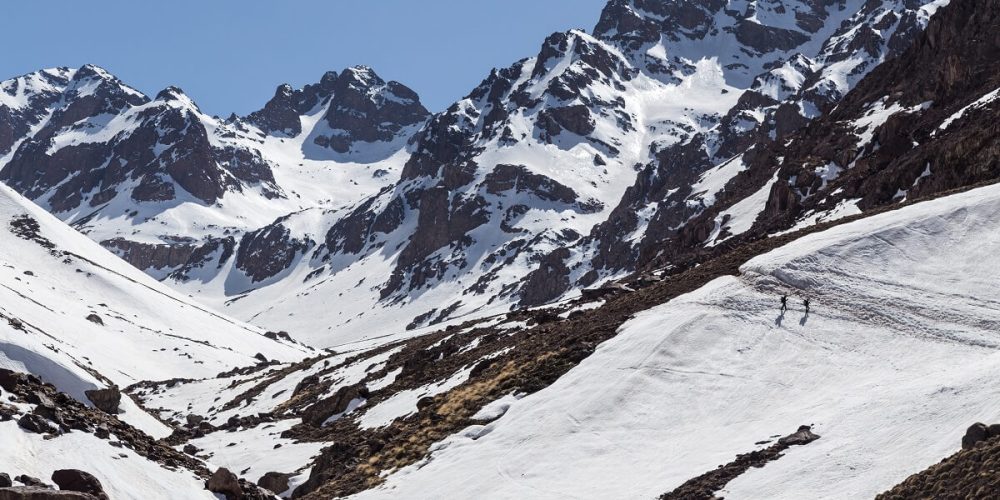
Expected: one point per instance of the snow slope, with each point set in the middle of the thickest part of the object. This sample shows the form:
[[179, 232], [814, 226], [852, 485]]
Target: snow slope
[[895, 360], [140, 329]]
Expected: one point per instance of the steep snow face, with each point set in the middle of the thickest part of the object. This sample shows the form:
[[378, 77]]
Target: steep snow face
[[80, 318], [690, 384]]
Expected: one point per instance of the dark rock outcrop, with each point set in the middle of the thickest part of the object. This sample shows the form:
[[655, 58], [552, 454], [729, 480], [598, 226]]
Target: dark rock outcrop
[[78, 480], [323, 409], [106, 400]]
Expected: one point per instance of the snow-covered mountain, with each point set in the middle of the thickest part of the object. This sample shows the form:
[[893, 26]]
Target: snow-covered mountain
[[78, 317], [710, 156], [551, 176]]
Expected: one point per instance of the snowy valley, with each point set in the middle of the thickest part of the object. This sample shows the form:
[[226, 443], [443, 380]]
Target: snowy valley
[[564, 285]]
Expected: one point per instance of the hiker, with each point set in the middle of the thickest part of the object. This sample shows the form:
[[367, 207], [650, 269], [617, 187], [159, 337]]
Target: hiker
[[784, 303], [806, 303]]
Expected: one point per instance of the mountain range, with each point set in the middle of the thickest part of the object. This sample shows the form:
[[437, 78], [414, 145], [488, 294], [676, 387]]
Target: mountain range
[[563, 285]]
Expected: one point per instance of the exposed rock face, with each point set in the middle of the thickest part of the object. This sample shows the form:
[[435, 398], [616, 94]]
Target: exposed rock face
[[151, 256], [518, 179], [282, 113], [106, 400], [365, 108], [323, 409], [80, 481], [266, 252]]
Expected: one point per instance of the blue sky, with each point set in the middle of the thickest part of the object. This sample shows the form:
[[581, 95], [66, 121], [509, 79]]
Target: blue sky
[[229, 55]]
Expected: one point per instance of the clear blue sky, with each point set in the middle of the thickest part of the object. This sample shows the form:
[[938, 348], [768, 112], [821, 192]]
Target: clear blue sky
[[229, 55]]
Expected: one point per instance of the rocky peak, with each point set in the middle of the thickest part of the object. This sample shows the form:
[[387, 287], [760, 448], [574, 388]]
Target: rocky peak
[[365, 108]]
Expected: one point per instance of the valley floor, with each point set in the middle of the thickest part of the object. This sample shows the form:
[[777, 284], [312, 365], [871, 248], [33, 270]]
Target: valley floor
[[895, 360]]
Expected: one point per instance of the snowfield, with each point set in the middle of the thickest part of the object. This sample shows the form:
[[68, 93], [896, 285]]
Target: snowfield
[[138, 329], [896, 359]]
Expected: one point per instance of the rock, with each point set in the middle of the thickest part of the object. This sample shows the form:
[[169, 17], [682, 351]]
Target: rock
[[9, 379], [318, 413], [260, 357], [274, 481], [36, 493], [226, 483], [78, 480], [191, 449], [194, 420], [976, 433], [106, 400], [95, 319], [35, 423], [803, 436], [993, 430], [5, 480], [102, 432], [30, 481]]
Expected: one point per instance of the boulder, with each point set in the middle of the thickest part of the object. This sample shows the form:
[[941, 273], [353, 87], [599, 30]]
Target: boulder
[[975, 433], [5, 480], [78, 480], [276, 482], [226, 483], [803, 436], [106, 400], [95, 319], [191, 449], [35, 423], [194, 420]]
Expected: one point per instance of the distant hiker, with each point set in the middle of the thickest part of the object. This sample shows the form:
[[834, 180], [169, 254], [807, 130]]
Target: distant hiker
[[806, 303], [784, 303]]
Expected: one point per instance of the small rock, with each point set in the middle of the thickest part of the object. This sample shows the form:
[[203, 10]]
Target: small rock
[[30, 481], [78, 480], [260, 357], [194, 420], [191, 449], [5, 480], [102, 432], [95, 319]]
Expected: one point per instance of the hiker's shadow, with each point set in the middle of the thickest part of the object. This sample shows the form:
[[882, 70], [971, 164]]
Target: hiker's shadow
[[779, 319], [802, 322]]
